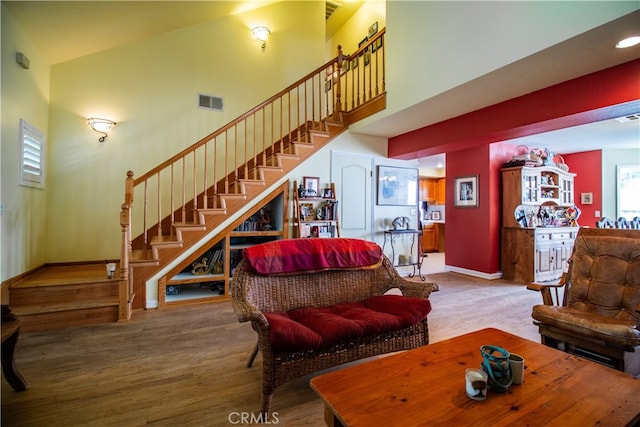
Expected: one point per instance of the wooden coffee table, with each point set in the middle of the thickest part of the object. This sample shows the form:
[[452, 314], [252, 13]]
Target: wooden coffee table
[[426, 386]]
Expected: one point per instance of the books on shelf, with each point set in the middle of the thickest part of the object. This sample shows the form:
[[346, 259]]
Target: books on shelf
[[307, 230], [260, 221]]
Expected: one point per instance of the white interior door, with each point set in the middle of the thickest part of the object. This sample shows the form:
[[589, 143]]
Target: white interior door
[[353, 178]]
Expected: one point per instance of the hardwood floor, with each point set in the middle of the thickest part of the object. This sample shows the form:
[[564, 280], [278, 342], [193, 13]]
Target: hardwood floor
[[187, 365]]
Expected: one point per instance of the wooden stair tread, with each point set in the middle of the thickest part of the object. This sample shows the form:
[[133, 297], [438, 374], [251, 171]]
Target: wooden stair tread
[[65, 275], [166, 241], [190, 226], [139, 260], [251, 181], [25, 310], [212, 211], [233, 195]]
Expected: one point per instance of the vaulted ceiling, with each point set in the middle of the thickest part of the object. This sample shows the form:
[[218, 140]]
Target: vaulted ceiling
[[62, 31]]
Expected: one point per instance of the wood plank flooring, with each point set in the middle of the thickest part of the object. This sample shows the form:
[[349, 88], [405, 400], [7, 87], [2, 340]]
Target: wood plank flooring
[[186, 365]]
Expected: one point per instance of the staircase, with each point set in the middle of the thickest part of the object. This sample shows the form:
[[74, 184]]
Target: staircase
[[173, 207]]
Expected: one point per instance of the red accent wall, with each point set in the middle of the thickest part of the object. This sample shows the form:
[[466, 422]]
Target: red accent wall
[[472, 237], [471, 241], [587, 166], [606, 94]]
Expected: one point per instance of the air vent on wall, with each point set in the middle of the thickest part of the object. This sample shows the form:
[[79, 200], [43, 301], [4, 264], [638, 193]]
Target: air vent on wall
[[210, 102], [629, 118], [330, 8]]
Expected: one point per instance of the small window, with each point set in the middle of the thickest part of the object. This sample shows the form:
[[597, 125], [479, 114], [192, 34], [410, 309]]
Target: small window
[[628, 190], [31, 156]]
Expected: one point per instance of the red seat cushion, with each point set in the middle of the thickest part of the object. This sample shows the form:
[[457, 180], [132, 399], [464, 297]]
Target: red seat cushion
[[289, 334], [311, 328]]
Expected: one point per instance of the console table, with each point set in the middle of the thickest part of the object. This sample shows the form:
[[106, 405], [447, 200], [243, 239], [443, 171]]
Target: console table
[[392, 236]]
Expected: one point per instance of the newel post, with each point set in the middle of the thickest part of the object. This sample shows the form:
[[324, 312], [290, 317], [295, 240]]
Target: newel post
[[125, 224], [125, 289], [338, 106]]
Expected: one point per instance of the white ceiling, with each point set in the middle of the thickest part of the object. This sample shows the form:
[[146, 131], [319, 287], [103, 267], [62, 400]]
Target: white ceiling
[[62, 31], [584, 54]]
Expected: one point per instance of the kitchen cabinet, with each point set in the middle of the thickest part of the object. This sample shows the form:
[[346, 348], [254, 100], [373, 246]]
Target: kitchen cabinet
[[441, 186], [432, 190], [429, 237], [427, 189]]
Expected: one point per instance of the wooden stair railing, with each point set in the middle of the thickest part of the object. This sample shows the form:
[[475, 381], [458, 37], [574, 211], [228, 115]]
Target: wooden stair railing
[[205, 184]]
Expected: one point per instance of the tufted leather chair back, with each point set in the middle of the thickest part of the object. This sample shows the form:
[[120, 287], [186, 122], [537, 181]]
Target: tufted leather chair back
[[604, 273]]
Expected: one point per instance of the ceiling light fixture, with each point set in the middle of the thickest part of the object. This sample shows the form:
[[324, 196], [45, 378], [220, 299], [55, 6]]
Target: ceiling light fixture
[[101, 126], [628, 42], [261, 34]]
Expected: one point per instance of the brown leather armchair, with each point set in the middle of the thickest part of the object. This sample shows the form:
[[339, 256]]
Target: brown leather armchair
[[598, 315]]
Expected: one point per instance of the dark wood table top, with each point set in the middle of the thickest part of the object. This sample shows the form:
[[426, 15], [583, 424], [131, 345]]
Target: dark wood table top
[[426, 386]]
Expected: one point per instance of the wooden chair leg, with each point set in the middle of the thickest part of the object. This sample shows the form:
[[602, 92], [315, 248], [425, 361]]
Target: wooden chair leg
[[254, 353], [9, 369]]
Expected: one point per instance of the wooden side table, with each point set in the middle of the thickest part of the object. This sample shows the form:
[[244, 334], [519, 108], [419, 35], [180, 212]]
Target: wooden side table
[[10, 333]]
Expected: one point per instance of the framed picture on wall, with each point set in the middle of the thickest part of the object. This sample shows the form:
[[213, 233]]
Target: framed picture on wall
[[312, 185], [466, 192], [397, 186]]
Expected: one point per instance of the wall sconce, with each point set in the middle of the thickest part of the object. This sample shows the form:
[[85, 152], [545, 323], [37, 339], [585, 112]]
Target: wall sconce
[[261, 34], [101, 126]]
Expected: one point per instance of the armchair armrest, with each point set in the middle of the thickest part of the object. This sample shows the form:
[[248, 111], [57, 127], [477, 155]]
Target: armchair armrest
[[416, 289], [549, 298]]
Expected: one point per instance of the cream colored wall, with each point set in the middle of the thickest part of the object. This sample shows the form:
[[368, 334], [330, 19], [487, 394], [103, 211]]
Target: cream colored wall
[[435, 46], [357, 27], [25, 94], [150, 89]]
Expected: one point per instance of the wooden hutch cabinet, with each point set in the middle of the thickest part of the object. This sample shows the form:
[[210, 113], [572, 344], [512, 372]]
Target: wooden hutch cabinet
[[538, 232]]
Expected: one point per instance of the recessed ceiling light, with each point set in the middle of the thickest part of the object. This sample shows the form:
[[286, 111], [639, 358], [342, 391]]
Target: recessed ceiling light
[[628, 42]]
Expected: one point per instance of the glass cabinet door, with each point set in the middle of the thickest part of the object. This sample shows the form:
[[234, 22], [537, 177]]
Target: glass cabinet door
[[530, 187]]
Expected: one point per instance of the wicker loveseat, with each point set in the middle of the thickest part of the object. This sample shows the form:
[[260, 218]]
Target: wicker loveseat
[[318, 303]]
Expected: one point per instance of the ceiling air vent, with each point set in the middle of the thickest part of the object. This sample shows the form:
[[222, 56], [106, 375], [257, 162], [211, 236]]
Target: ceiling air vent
[[330, 8], [629, 118], [210, 102]]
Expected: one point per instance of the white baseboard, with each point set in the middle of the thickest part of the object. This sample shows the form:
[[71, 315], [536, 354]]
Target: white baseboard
[[473, 273]]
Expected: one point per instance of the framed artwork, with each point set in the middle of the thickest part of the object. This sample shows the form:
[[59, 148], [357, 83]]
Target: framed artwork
[[376, 44], [362, 43], [306, 212], [312, 185], [466, 192], [327, 85], [328, 193], [345, 66], [397, 186], [586, 198], [373, 29]]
